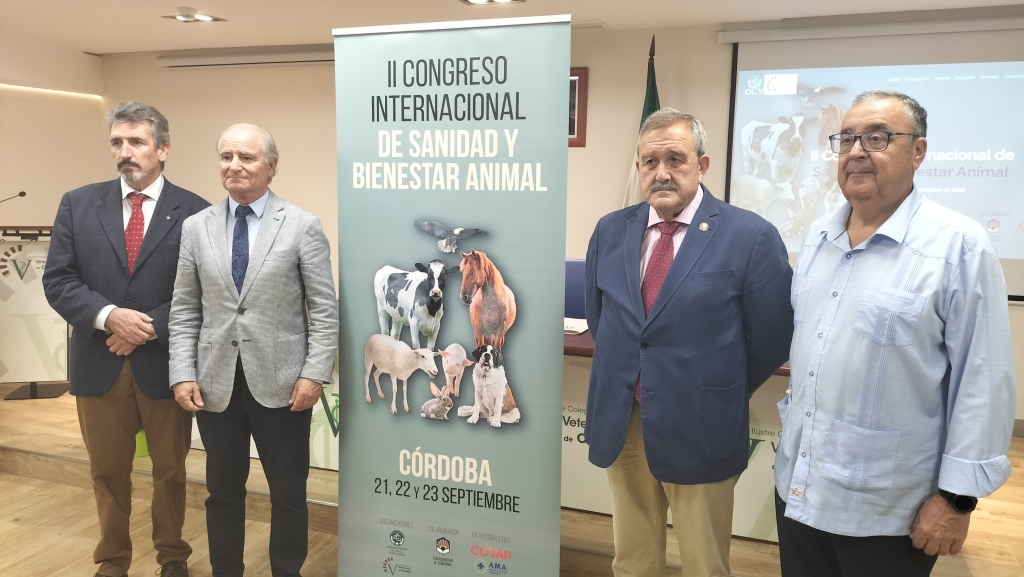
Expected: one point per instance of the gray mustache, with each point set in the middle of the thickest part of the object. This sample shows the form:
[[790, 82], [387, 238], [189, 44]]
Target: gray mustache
[[125, 163], [665, 185]]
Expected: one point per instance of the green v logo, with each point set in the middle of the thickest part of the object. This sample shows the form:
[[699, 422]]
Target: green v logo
[[753, 447], [392, 568], [21, 267]]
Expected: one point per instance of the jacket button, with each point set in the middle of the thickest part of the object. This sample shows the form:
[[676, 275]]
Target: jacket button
[[234, 343], [127, 300], [630, 386], [241, 311], [645, 346]]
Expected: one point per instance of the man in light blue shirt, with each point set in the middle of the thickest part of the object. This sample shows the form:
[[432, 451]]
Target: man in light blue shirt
[[901, 404]]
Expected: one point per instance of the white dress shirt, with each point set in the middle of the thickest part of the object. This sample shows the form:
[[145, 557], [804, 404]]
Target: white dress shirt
[[253, 220], [152, 195]]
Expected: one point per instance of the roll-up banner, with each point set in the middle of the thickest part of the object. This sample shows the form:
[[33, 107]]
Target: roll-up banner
[[33, 338], [452, 159]]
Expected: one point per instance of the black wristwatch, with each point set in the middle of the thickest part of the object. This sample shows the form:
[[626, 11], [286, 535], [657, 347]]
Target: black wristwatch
[[960, 503]]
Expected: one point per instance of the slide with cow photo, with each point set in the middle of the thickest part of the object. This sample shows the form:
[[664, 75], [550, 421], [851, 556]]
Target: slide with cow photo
[[784, 169]]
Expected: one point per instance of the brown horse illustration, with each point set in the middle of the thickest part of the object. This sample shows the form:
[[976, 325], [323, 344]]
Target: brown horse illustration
[[492, 306]]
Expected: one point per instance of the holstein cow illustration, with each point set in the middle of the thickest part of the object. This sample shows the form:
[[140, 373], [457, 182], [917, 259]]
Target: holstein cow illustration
[[492, 306], [772, 151], [413, 298]]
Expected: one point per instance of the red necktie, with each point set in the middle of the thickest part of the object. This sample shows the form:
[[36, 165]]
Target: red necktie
[[657, 269], [137, 229]]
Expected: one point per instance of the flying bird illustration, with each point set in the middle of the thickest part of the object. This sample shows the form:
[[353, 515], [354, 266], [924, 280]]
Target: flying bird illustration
[[809, 96], [449, 236]]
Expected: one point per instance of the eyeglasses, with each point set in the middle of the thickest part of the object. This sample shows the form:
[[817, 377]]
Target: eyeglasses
[[871, 141]]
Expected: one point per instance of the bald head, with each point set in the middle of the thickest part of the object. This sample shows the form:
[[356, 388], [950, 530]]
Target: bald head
[[248, 161], [269, 146]]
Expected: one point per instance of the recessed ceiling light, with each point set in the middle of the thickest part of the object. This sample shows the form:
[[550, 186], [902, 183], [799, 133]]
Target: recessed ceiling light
[[186, 14], [492, 1]]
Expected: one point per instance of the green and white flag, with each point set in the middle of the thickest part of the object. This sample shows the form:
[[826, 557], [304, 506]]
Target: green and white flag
[[651, 104]]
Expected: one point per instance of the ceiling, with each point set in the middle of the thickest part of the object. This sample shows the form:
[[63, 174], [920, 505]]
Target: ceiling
[[106, 26]]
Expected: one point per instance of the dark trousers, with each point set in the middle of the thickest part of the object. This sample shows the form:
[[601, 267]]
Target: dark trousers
[[282, 439], [809, 552]]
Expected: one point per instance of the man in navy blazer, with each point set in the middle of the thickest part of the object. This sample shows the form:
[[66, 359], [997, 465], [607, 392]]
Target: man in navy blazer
[[110, 274], [688, 301]]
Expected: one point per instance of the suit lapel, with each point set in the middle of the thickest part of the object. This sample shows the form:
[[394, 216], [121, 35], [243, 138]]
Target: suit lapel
[[165, 215], [270, 225], [694, 243], [110, 213], [635, 228], [217, 230]]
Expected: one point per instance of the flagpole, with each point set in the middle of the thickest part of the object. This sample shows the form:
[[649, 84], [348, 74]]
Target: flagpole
[[651, 104]]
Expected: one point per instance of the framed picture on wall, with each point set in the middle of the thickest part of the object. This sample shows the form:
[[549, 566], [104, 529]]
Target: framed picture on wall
[[578, 106]]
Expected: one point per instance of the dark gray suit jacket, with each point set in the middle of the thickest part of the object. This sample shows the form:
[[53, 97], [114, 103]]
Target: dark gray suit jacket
[[86, 269]]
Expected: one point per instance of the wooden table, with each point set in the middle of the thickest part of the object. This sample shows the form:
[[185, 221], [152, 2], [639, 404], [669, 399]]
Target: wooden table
[[583, 346]]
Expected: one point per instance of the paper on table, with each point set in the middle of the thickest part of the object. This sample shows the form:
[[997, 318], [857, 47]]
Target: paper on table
[[575, 326]]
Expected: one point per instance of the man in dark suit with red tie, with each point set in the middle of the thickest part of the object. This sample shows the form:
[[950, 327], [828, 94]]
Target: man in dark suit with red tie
[[110, 274], [688, 301]]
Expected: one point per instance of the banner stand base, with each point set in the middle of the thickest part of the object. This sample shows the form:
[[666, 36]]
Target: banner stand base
[[34, 390]]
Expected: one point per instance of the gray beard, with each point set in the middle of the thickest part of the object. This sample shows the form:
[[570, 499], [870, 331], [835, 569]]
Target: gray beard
[[131, 174]]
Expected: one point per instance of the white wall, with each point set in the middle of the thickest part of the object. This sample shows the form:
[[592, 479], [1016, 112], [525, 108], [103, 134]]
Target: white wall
[[50, 143], [1017, 330], [25, 61], [295, 103], [694, 75]]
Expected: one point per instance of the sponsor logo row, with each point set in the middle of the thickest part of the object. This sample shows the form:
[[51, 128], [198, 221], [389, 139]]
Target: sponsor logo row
[[491, 560]]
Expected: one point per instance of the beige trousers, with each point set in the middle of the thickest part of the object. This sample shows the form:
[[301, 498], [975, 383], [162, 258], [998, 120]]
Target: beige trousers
[[109, 424], [701, 516]]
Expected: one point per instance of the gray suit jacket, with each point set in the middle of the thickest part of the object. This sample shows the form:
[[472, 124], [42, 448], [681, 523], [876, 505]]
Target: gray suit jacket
[[211, 324]]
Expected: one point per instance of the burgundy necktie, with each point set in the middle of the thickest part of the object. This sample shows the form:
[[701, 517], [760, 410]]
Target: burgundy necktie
[[654, 277], [136, 229]]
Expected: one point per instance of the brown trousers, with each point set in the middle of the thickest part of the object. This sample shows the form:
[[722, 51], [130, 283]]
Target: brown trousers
[[701, 516], [109, 424]]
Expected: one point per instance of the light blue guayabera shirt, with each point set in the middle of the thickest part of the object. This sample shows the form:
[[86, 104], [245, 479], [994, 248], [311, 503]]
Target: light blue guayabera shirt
[[253, 220], [902, 371]]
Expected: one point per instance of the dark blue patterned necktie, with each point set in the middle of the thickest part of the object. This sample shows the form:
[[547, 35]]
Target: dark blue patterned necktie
[[240, 246]]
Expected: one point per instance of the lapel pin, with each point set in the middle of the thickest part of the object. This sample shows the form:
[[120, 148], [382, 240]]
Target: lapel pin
[[704, 227], [168, 217]]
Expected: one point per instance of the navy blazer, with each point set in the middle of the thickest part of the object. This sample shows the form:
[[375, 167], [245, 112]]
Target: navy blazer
[[87, 269], [721, 325]]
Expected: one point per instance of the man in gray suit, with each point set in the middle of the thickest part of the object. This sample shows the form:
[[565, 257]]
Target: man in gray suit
[[244, 354]]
